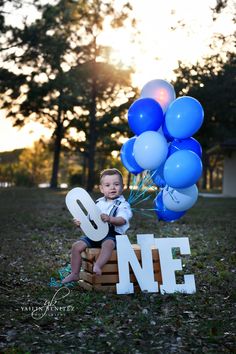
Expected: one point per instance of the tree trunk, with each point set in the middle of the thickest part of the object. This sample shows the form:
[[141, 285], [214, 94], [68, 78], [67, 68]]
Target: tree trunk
[[205, 167], [211, 184], [84, 177], [56, 158], [92, 140], [129, 181], [91, 165], [57, 147]]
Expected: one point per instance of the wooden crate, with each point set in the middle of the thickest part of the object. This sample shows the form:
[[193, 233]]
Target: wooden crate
[[107, 281]]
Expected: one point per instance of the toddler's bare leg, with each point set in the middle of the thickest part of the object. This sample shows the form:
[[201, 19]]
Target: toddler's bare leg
[[104, 256], [77, 248]]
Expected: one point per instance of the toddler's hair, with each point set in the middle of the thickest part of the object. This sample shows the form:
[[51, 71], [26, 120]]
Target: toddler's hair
[[111, 172]]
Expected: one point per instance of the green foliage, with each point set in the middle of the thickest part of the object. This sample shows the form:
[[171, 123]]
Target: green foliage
[[213, 84], [70, 81], [10, 156], [34, 165], [23, 178], [26, 167]]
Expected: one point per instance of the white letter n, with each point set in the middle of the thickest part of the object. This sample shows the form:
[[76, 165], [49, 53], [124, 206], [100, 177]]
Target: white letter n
[[126, 256]]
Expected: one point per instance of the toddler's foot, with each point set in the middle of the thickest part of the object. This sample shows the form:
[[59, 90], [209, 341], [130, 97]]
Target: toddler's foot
[[71, 277], [97, 269]]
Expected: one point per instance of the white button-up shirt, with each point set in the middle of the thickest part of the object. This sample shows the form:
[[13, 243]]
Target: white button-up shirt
[[123, 211]]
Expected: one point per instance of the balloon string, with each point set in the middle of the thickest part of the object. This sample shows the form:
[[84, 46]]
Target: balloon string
[[141, 201], [134, 180], [138, 196], [148, 215], [143, 186], [133, 192], [171, 194], [144, 211], [138, 199], [64, 271], [54, 283], [62, 274]]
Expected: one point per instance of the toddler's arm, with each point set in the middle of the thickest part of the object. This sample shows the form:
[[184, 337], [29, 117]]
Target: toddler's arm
[[116, 221]]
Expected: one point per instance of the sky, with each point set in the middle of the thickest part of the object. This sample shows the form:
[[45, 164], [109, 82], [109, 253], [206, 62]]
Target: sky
[[153, 56]]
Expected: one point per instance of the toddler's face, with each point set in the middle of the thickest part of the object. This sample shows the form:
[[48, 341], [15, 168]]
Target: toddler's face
[[111, 186]]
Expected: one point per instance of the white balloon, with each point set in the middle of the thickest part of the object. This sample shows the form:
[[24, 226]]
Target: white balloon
[[161, 91], [180, 199], [150, 150], [83, 208]]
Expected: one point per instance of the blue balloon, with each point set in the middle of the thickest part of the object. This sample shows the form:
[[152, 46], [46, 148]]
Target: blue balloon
[[145, 114], [185, 144], [182, 169], [159, 181], [127, 157], [166, 133], [163, 213], [158, 176], [184, 117]]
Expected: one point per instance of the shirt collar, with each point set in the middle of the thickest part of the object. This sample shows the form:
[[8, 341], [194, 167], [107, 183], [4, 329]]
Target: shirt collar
[[120, 198]]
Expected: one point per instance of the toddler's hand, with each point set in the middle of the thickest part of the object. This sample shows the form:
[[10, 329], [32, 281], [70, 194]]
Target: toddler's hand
[[105, 217], [77, 222]]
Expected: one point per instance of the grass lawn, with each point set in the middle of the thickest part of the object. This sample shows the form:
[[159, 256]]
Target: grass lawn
[[36, 237]]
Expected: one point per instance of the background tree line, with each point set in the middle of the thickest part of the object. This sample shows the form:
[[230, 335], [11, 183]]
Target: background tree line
[[55, 72]]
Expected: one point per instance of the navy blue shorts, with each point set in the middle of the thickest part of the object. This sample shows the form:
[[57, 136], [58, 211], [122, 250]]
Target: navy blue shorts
[[97, 244]]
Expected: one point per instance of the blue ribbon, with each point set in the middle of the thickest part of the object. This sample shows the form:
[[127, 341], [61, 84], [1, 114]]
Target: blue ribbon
[[63, 272]]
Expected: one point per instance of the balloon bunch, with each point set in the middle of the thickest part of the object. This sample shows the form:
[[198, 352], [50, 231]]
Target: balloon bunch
[[163, 145]]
